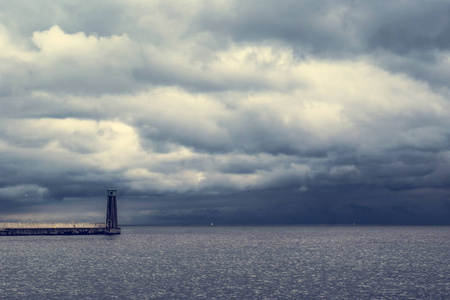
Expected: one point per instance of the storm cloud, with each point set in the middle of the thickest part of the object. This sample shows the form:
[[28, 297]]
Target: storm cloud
[[229, 112]]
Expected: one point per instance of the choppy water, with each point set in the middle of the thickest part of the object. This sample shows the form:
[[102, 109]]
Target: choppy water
[[298, 262]]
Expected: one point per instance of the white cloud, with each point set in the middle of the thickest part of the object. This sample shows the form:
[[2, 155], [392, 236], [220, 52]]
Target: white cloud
[[178, 99], [173, 140]]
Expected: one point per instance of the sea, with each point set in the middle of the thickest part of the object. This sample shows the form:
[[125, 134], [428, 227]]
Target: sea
[[231, 262]]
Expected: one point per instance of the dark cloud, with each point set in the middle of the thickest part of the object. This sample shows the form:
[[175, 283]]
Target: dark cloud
[[314, 27], [414, 33], [102, 18], [248, 112], [333, 27], [411, 27], [361, 206]]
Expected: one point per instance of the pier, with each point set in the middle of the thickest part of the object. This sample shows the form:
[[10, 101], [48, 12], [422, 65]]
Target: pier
[[111, 225]]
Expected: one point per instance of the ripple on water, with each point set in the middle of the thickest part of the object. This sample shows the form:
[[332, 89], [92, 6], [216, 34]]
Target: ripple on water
[[321, 262]]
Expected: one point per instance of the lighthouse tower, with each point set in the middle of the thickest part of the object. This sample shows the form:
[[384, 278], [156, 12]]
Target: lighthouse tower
[[112, 226]]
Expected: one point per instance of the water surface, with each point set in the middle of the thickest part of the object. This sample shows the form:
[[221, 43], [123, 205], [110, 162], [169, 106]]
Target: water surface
[[280, 262]]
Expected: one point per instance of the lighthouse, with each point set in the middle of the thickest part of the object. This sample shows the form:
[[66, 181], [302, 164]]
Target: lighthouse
[[112, 226]]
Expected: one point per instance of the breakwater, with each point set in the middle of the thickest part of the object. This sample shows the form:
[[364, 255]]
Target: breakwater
[[51, 225], [109, 227], [57, 231]]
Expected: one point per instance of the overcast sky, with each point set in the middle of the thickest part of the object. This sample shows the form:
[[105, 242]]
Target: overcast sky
[[231, 112]]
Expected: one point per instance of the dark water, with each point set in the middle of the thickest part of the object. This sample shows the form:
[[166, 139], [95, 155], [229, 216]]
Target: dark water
[[298, 262]]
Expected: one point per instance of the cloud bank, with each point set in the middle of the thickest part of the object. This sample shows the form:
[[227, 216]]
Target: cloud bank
[[229, 112]]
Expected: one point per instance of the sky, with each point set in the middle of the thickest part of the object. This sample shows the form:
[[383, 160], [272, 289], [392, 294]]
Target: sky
[[231, 112]]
